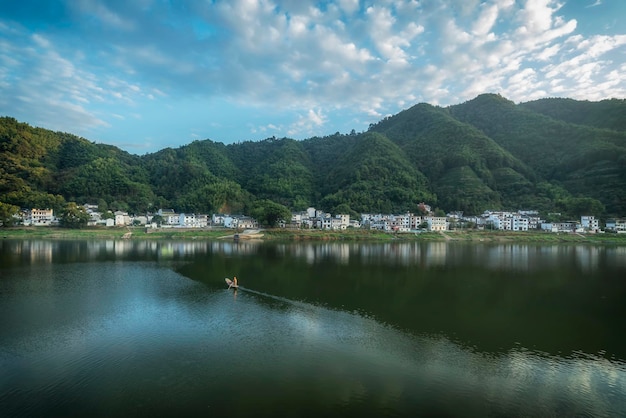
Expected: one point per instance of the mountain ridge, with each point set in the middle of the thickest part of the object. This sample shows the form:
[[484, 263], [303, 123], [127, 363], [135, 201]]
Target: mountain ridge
[[486, 153]]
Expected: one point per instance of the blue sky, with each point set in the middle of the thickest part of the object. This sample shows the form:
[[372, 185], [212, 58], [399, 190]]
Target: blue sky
[[148, 74]]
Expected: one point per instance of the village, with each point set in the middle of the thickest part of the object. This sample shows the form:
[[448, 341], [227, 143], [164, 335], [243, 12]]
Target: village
[[519, 221]]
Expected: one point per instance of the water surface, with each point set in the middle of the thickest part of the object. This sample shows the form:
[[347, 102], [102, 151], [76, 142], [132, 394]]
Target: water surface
[[118, 328]]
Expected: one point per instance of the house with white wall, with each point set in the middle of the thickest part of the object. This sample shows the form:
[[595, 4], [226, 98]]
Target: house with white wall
[[436, 223], [617, 225], [40, 217], [240, 221], [590, 223], [121, 218], [519, 223]]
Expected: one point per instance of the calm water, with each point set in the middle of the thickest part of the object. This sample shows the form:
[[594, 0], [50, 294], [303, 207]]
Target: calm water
[[123, 328]]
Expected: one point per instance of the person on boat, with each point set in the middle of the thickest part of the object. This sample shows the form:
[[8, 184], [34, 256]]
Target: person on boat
[[235, 281]]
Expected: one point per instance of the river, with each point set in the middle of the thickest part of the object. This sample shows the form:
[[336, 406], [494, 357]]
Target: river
[[129, 328]]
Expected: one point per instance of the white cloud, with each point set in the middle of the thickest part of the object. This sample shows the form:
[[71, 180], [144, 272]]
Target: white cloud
[[349, 6], [98, 10], [596, 3], [548, 53], [486, 20], [301, 56], [536, 16], [307, 124]]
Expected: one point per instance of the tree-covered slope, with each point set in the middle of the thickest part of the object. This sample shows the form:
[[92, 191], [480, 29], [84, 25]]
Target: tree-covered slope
[[41, 168], [199, 177], [487, 153], [605, 114], [275, 169], [373, 175], [468, 170], [586, 161]]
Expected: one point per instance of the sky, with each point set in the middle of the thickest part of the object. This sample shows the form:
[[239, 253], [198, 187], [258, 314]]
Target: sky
[[144, 75]]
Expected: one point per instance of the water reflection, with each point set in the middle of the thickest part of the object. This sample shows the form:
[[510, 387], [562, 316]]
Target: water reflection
[[519, 257], [320, 329], [47, 251]]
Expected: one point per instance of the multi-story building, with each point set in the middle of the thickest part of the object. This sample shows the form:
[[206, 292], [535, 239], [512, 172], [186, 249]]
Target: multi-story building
[[436, 223], [519, 223], [590, 223], [617, 225], [41, 217]]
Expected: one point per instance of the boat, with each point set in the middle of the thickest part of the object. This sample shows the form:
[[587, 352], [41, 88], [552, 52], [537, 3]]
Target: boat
[[231, 284]]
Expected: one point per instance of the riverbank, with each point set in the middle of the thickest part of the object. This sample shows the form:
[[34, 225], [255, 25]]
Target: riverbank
[[308, 235]]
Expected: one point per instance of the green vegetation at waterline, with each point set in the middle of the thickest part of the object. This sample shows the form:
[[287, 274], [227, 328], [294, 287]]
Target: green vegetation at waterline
[[487, 153], [278, 234]]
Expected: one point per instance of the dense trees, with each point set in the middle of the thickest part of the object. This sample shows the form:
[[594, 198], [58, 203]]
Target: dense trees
[[73, 216], [7, 214], [553, 155], [269, 213]]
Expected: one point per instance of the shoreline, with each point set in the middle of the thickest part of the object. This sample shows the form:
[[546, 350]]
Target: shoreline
[[128, 233]]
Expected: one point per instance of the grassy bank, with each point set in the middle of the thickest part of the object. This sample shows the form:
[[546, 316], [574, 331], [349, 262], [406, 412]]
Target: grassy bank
[[109, 233], [310, 235]]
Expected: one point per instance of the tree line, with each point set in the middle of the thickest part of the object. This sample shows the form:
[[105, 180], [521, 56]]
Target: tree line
[[487, 153]]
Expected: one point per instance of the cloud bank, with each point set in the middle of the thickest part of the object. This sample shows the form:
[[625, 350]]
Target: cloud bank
[[90, 64]]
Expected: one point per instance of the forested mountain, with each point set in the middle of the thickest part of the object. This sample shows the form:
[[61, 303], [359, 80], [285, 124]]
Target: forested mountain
[[588, 162], [554, 155], [467, 170], [605, 114]]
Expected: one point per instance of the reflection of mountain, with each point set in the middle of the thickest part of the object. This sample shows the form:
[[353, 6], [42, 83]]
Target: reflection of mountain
[[48, 251], [132, 333], [533, 381], [518, 257], [556, 298]]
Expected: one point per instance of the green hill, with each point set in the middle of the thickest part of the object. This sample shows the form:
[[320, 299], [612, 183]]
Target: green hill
[[488, 153], [373, 175], [605, 114], [467, 170], [588, 162]]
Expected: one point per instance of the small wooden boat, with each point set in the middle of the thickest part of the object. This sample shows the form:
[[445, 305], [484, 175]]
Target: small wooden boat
[[231, 284]]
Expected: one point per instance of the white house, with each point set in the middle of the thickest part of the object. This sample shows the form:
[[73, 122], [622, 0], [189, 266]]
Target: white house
[[436, 223], [121, 218], [187, 220], [519, 223], [590, 223], [41, 217], [344, 221], [239, 221], [617, 225], [549, 227], [218, 219]]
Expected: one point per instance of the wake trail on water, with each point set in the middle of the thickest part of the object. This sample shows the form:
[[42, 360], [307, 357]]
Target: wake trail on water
[[278, 298]]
